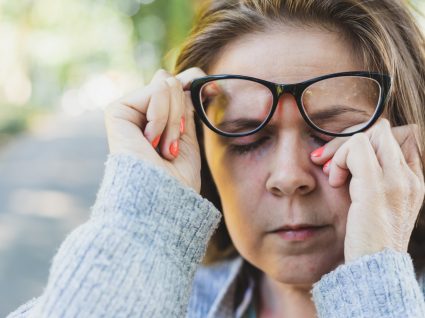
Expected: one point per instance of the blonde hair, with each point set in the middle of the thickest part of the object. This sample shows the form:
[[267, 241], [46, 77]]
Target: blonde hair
[[385, 38]]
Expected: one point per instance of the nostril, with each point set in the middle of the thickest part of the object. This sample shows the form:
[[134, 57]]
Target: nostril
[[276, 191], [304, 189]]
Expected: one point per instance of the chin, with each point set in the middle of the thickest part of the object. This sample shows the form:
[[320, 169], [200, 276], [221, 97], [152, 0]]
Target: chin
[[304, 269]]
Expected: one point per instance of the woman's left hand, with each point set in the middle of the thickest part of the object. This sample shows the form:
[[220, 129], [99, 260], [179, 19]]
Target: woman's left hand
[[386, 186]]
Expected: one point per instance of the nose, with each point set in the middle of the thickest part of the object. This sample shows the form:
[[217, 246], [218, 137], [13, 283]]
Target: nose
[[290, 168]]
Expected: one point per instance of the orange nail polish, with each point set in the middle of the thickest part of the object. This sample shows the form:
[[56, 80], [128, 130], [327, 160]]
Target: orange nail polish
[[174, 148], [318, 152], [155, 142], [182, 125]]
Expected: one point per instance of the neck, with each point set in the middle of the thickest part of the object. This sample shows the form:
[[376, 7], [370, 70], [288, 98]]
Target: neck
[[283, 300]]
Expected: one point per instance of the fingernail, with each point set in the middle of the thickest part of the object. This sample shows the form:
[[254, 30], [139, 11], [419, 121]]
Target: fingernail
[[326, 165], [155, 142], [318, 152], [174, 148], [182, 125]]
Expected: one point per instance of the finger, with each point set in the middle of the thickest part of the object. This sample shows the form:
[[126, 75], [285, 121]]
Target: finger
[[134, 106], [121, 111], [139, 100], [187, 76], [170, 141], [387, 151], [380, 146], [356, 156], [190, 127], [323, 154], [158, 110], [408, 137]]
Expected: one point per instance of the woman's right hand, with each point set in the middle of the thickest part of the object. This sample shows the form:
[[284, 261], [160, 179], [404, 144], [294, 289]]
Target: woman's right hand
[[148, 124]]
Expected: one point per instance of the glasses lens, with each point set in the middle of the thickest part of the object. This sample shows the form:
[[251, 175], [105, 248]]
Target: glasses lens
[[236, 105], [342, 104]]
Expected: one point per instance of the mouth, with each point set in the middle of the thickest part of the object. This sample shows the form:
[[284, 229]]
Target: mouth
[[295, 227], [300, 232]]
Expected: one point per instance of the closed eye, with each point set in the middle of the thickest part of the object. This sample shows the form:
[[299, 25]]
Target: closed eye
[[242, 149], [318, 140]]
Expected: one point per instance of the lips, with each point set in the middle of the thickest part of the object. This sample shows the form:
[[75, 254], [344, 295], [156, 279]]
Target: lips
[[300, 232], [296, 227]]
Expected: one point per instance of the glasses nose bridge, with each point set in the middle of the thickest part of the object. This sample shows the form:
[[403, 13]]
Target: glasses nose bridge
[[285, 88]]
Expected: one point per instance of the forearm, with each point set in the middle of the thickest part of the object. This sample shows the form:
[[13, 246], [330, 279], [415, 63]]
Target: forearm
[[378, 285], [137, 254]]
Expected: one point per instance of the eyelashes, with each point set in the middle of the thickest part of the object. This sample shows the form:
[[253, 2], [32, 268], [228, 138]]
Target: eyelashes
[[240, 149], [244, 149]]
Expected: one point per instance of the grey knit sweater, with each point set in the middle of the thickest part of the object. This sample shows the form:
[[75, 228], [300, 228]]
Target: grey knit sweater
[[139, 254]]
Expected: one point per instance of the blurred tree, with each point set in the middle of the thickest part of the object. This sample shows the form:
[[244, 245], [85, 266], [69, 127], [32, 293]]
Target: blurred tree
[[64, 52], [161, 26]]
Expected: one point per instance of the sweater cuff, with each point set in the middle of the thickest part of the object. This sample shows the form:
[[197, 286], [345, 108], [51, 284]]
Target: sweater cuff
[[378, 285], [155, 208]]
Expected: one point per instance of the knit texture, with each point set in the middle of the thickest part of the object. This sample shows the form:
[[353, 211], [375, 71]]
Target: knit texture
[[378, 285], [139, 254]]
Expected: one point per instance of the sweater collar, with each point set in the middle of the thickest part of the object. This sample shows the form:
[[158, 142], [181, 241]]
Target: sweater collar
[[224, 304]]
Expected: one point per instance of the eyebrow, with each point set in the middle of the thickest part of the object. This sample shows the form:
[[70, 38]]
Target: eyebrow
[[335, 111], [239, 124], [245, 124]]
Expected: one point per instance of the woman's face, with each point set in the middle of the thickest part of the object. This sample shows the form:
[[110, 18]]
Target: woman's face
[[276, 183]]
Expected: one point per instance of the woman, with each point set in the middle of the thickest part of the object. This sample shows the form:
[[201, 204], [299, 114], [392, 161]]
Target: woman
[[320, 180]]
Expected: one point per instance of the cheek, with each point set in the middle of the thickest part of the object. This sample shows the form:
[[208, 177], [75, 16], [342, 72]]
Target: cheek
[[338, 202], [240, 181], [241, 193]]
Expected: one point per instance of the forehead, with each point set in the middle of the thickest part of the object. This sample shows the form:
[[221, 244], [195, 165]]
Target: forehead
[[287, 54]]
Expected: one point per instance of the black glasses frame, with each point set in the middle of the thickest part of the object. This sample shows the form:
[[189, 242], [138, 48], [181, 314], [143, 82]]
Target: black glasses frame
[[296, 90]]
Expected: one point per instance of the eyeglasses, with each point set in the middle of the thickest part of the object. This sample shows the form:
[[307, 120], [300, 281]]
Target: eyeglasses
[[339, 104]]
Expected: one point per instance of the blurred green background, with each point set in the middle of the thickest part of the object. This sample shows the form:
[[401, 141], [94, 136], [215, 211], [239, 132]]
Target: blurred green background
[[81, 54], [61, 63]]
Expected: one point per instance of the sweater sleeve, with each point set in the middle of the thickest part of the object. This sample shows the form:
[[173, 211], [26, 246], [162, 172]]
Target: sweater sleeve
[[137, 254], [378, 285]]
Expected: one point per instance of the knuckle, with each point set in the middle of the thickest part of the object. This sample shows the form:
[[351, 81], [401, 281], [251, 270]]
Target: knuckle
[[161, 72], [174, 83], [160, 88], [159, 120], [385, 122], [198, 70], [360, 139]]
